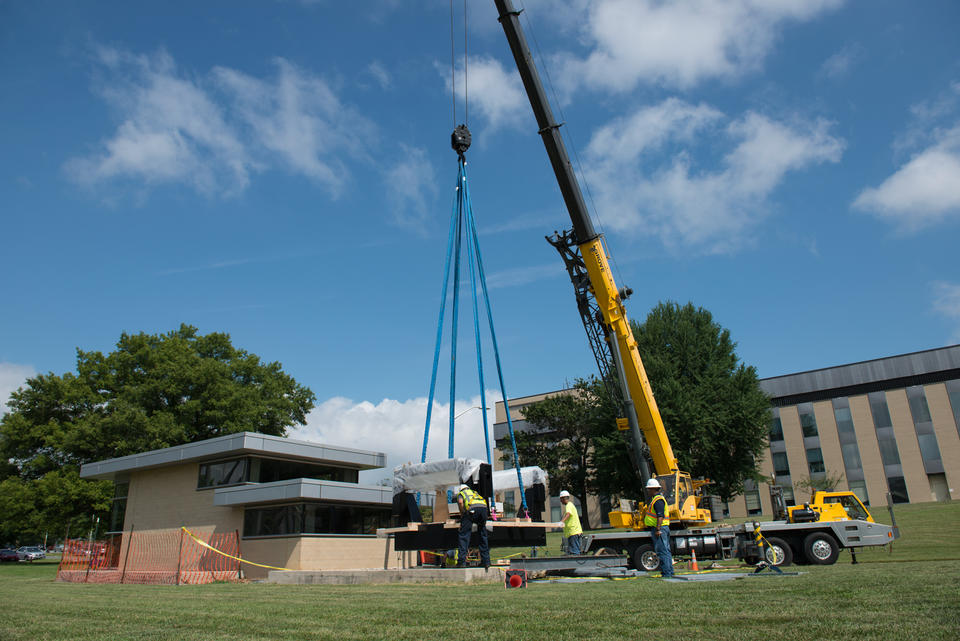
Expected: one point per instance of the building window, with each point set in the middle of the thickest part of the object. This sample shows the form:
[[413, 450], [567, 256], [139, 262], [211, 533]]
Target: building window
[[788, 497], [815, 461], [220, 473], [851, 457], [898, 489], [953, 392], [888, 451], [808, 421], [918, 405], [266, 470], [509, 503], [752, 498], [860, 489], [844, 420], [554, 513], [776, 428], [315, 518], [879, 409], [118, 507], [781, 466], [929, 449]]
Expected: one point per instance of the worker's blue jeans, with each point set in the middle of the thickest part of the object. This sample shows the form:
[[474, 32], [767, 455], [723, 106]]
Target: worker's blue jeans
[[477, 516], [661, 545], [573, 544]]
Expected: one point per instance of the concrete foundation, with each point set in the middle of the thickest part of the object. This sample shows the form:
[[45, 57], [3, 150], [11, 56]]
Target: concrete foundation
[[411, 575]]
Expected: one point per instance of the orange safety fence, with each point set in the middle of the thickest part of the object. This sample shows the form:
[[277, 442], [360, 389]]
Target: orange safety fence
[[166, 557]]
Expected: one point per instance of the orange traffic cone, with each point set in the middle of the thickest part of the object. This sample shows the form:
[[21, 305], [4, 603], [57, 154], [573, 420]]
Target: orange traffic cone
[[693, 562]]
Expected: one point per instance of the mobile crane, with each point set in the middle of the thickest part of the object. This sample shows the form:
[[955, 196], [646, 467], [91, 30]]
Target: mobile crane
[[812, 533]]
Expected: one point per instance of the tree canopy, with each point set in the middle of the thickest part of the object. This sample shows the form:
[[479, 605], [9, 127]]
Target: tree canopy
[[714, 411], [563, 444], [715, 414], [151, 392]]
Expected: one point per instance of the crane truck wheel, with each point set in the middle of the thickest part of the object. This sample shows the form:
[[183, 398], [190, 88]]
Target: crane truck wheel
[[821, 549], [778, 552], [644, 558]]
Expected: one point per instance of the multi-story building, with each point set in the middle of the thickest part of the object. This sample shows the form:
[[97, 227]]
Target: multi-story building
[[890, 425]]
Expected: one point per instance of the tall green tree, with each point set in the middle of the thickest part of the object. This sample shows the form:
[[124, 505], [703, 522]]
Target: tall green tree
[[152, 391], [714, 411], [563, 443]]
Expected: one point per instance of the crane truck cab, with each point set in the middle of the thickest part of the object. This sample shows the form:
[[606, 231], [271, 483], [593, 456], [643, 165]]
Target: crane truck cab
[[830, 506]]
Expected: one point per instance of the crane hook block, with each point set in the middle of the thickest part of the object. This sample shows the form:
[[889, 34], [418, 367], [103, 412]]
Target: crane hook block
[[460, 139]]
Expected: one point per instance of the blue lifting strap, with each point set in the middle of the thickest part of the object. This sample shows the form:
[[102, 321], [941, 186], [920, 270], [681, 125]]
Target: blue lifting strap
[[462, 223]]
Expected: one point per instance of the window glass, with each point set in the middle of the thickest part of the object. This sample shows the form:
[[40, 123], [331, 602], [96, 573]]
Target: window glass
[[752, 498], [776, 429], [118, 507], [928, 447], [808, 421], [219, 473], [860, 489], [278, 470], [888, 451], [879, 409], [953, 392], [918, 405], [781, 466], [851, 456], [509, 503], [844, 420], [898, 489], [815, 460], [315, 518], [788, 497]]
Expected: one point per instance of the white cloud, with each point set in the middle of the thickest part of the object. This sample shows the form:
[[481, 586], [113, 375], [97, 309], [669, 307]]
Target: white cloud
[[213, 131], [947, 302], [839, 64], [711, 211], [412, 186], [495, 94], [300, 120], [171, 130], [922, 192], [396, 428], [12, 377], [380, 74], [680, 43]]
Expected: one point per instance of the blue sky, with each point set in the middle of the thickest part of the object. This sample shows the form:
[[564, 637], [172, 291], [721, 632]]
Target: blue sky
[[281, 171]]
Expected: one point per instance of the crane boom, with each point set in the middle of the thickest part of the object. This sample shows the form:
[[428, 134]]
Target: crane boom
[[643, 415]]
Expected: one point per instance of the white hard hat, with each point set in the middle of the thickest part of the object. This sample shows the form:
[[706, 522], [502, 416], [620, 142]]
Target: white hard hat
[[462, 488], [653, 483], [564, 493]]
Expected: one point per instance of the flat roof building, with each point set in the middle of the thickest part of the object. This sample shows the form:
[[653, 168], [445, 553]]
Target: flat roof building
[[294, 504], [888, 425]]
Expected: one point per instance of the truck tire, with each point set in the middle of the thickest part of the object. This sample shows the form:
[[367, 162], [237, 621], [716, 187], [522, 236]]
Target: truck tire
[[644, 558], [821, 549], [778, 552]]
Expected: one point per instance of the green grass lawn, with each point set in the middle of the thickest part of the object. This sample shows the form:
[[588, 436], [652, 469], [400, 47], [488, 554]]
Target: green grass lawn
[[910, 592]]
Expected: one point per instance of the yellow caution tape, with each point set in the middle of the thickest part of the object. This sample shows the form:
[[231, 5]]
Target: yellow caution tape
[[230, 556]]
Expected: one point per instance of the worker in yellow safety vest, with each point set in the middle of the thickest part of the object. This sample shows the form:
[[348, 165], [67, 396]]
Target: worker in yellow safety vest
[[473, 511], [656, 520], [572, 530]]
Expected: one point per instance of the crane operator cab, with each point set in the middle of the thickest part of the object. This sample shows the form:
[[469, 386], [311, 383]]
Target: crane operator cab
[[683, 504]]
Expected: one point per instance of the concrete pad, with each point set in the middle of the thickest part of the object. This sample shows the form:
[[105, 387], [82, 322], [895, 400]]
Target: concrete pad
[[371, 577]]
